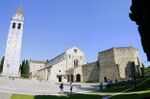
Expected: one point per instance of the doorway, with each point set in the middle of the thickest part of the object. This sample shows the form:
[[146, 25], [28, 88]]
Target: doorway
[[105, 79], [59, 78], [78, 78]]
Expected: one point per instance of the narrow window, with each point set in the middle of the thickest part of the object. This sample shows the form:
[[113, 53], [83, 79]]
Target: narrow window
[[69, 56], [76, 62], [19, 26], [14, 25]]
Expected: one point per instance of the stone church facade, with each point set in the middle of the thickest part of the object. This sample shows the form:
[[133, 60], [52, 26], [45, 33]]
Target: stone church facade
[[58, 68], [120, 63], [116, 64]]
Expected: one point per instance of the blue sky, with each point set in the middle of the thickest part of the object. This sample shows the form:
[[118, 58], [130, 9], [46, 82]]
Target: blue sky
[[52, 26]]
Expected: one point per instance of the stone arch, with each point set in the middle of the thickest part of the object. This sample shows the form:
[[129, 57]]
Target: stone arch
[[78, 78]]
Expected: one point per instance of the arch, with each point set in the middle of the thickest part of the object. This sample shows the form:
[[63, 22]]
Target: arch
[[19, 26], [76, 62], [78, 78], [13, 25]]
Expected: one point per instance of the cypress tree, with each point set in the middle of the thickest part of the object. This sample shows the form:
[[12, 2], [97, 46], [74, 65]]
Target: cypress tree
[[1, 64], [23, 69], [27, 69]]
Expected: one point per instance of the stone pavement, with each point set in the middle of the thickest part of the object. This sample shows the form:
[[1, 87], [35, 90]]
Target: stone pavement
[[34, 87], [5, 95]]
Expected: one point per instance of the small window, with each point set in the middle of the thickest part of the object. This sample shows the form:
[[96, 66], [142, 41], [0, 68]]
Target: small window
[[14, 25], [69, 56], [19, 26]]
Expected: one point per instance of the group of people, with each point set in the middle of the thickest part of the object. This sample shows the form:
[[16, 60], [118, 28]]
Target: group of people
[[11, 78], [62, 87]]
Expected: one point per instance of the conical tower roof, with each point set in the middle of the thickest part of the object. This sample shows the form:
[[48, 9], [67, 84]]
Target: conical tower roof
[[20, 10]]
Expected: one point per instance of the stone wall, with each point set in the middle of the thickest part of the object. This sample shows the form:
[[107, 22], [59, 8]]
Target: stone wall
[[119, 64], [108, 68], [90, 72], [126, 58], [34, 66]]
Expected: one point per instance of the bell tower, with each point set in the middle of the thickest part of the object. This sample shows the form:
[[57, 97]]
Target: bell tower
[[13, 46]]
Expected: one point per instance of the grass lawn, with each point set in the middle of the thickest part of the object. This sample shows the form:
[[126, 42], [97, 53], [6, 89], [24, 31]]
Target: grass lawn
[[116, 89], [74, 96], [139, 92], [133, 95], [19, 96]]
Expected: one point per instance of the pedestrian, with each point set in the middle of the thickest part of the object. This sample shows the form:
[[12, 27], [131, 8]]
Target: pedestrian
[[71, 87], [61, 87], [101, 86]]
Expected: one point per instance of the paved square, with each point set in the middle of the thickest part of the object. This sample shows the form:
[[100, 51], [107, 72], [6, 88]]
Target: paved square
[[34, 87]]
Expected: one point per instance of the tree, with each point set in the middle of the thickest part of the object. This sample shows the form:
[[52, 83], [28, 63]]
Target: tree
[[27, 69], [24, 69], [142, 70], [1, 64], [140, 13]]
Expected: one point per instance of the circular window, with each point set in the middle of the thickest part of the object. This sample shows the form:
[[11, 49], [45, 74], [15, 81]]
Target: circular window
[[75, 50]]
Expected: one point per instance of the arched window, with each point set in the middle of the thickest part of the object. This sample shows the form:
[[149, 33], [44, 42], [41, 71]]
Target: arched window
[[13, 25], [76, 63], [19, 26]]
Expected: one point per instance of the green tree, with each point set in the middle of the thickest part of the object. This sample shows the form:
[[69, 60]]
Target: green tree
[[27, 69], [24, 69], [140, 13], [1, 64], [142, 70]]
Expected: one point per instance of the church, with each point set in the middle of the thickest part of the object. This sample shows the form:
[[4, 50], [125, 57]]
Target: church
[[65, 67], [116, 64]]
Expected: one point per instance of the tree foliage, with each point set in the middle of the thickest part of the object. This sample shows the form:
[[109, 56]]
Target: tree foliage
[[140, 13], [1, 64], [24, 69]]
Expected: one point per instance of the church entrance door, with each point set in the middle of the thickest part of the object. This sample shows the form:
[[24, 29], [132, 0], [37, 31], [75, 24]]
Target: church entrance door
[[59, 78], [78, 78]]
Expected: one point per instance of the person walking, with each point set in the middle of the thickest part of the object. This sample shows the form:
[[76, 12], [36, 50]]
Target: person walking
[[101, 86], [61, 87], [71, 87]]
